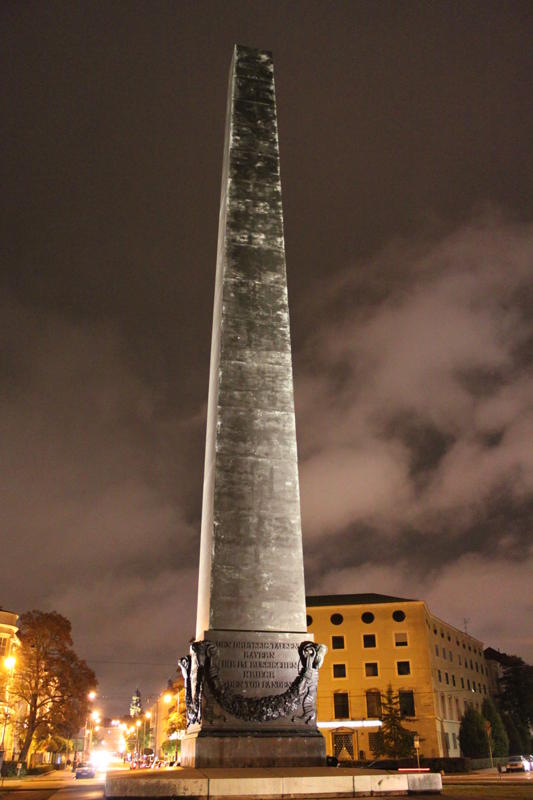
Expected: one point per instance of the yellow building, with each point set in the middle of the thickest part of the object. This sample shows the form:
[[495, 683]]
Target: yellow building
[[375, 641], [9, 642]]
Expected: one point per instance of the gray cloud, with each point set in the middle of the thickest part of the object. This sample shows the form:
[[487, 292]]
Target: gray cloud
[[421, 453]]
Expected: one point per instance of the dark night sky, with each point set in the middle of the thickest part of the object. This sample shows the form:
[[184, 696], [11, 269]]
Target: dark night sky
[[407, 170]]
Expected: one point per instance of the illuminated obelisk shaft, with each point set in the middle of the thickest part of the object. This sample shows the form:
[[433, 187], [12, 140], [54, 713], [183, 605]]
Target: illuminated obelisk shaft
[[252, 673], [251, 566]]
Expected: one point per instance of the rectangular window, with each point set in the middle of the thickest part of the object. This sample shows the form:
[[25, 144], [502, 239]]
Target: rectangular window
[[337, 642], [369, 640], [436, 649], [453, 679], [407, 703], [339, 670], [462, 683], [468, 683], [454, 740], [440, 675], [373, 704], [4, 644], [371, 669], [373, 741], [400, 639], [444, 653], [457, 709], [443, 705], [447, 740], [446, 678], [403, 667], [450, 655], [341, 705]]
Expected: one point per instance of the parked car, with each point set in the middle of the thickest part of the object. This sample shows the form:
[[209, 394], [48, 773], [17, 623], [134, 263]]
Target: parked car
[[84, 771], [518, 764]]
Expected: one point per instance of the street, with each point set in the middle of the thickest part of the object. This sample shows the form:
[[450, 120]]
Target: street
[[57, 785]]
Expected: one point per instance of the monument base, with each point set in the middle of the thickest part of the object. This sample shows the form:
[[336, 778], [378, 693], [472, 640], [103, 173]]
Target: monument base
[[252, 749], [289, 783]]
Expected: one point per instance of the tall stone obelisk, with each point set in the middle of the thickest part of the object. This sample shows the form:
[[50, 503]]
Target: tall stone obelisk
[[251, 677]]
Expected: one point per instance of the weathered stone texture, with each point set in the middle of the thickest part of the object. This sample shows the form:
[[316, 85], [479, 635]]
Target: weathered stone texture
[[251, 565]]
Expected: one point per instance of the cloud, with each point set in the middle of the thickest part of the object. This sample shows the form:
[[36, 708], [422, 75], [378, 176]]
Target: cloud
[[95, 489], [479, 589], [433, 411]]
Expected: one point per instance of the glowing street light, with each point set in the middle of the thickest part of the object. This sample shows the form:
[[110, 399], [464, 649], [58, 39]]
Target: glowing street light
[[91, 696], [10, 662], [167, 698]]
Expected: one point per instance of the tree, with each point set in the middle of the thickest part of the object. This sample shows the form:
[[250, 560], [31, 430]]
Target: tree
[[50, 679], [473, 735], [516, 745], [498, 736], [393, 739], [515, 700]]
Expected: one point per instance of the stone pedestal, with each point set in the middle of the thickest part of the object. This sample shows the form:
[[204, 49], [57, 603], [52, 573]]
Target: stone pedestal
[[251, 701]]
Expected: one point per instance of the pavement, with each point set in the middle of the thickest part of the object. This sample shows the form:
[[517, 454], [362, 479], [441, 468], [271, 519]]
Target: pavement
[[489, 777]]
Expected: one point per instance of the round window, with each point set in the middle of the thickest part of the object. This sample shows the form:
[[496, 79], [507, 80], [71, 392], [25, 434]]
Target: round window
[[337, 619], [367, 617], [309, 620], [398, 616]]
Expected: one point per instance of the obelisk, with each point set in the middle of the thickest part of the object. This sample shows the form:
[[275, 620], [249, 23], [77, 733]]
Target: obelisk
[[251, 676]]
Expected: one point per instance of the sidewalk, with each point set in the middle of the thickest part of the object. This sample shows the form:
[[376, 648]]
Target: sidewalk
[[55, 776]]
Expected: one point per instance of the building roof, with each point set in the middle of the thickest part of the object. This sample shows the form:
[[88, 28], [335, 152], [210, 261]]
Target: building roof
[[354, 599]]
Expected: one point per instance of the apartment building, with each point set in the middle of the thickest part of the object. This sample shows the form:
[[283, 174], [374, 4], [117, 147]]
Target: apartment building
[[375, 641]]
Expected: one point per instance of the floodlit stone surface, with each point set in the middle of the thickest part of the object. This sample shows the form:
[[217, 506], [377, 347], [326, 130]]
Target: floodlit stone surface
[[424, 782], [251, 564], [385, 784], [282, 783], [250, 678]]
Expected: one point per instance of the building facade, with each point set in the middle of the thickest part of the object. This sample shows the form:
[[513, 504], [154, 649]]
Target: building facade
[[9, 644], [375, 641]]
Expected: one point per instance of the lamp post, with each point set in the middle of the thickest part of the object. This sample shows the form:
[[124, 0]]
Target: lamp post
[[90, 697], [416, 744], [147, 718], [9, 664], [137, 725]]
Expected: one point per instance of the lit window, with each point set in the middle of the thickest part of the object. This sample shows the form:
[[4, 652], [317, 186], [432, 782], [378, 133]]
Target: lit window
[[339, 670], [337, 642], [403, 667], [400, 639], [369, 640], [371, 669]]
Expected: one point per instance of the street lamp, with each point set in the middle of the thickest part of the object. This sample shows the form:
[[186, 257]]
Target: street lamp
[[137, 725], [9, 664]]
